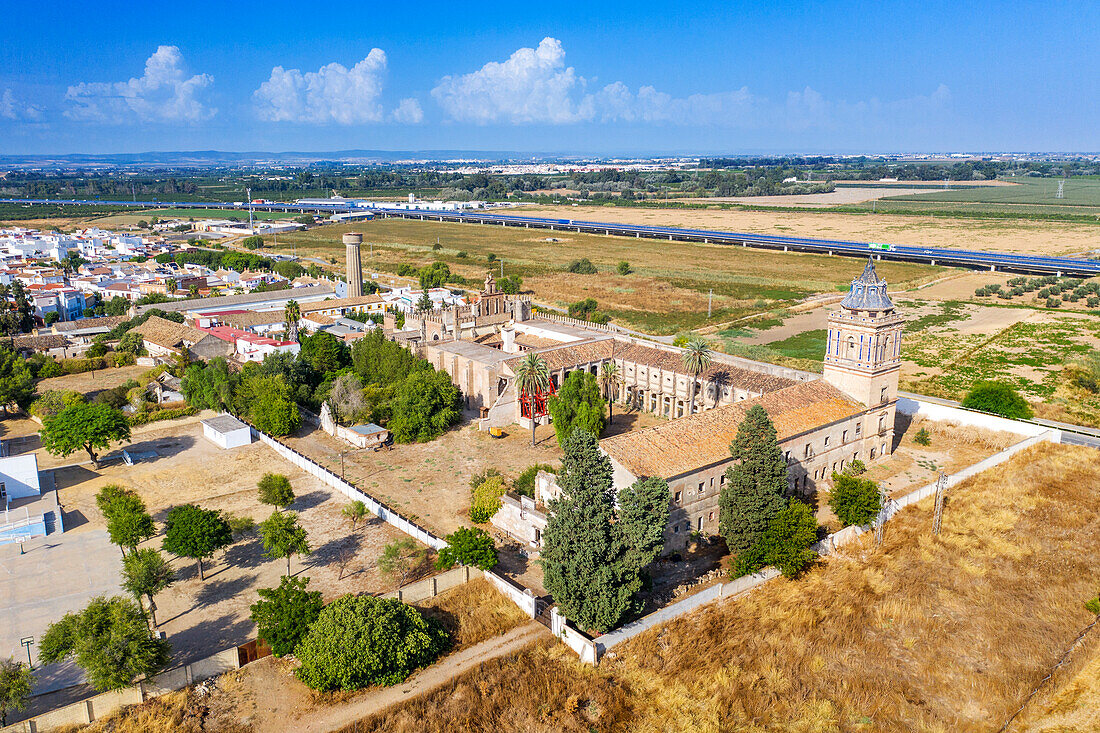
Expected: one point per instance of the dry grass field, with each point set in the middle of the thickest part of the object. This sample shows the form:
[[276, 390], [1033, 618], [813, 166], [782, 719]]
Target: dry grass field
[[936, 634], [1016, 235], [668, 290]]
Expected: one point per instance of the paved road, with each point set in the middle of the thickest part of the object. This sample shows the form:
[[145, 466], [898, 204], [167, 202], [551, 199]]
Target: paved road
[[339, 716]]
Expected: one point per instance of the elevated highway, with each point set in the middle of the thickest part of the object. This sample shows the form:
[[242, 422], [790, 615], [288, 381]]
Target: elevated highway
[[974, 259]]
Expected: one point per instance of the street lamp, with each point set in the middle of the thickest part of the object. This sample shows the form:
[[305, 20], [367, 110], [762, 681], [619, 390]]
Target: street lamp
[[27, 641]]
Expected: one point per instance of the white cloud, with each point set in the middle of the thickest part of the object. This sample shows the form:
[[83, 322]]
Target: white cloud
[[408, 111], [333, 93], [11, 108], [534, 86], [164, 93]]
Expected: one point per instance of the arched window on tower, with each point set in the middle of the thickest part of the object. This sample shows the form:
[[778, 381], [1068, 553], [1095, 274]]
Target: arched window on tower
[[851, 348]]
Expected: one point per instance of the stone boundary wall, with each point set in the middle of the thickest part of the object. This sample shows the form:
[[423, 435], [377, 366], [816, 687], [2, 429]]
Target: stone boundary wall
[[105, 703], [375, 506], [427, 588], [943, 413], [513, 591]]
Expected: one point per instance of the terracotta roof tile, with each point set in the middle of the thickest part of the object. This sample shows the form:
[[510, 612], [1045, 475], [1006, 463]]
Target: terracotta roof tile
[[689, 443], [572, 355], [169, 334]]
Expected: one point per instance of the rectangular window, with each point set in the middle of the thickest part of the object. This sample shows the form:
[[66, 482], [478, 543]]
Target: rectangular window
[[678, 496], [826, 441], [787, 456], [711, 517], [700, 523], [884, 394], [808, 450], [701, 487], [722, 481], [882, 423], [859, 428], [844, 437], [676, 529]]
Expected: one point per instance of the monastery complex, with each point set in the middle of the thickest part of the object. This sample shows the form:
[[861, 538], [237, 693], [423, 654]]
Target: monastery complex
[[823, 421]]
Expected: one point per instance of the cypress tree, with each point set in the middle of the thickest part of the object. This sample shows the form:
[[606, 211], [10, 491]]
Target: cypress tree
[[585, 557], [753, 494]]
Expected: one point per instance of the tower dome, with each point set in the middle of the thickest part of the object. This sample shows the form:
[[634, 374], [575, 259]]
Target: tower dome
[[868, 292]]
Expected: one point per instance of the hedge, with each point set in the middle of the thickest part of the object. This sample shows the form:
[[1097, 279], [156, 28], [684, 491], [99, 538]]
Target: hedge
[[143, 418]]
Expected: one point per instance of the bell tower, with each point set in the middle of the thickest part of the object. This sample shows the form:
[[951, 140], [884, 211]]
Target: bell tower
[[863, 351]]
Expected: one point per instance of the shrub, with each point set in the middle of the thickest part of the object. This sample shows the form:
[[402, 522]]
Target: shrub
[[855, 468], [144, 418], [54, 401], [525, 483], [49, 368], [1093, 605], [275, 489], [1093, 301], [624, 268], [79, 366], [998, 398], [462, 254], [360, 641], [253, 242], [785, 544], [583, 266], [1054, 302], [468, 547], [854, 500], [922, 437], [96, 350], [486, 499]]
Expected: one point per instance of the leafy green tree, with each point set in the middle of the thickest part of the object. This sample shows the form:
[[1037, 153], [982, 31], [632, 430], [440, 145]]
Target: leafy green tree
[[854, 500], [510, 285], [755, 485], [577, 405], [697, 358], [585, 559], [624, 268], [253, 242], [24, 308], [355, 512], [485, 500], [785, 544], [360, 641], [400, 558], [146, 573], [131, 343], [275, 489], [16, 380], [51, 318], [16, 683], [424, 304], [434, 275], [283, 615], [525, 482], [467, 546], [999, 398], [109, 640], [324, 352], [283, 536], [128, 522], [117, 306], [532, 378], [210, 386], [84, 425], [190, 531], [644, 507], [922, 437], [269, 404], [426, 404]]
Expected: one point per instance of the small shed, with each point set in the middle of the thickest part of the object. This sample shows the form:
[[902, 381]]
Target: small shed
[[368, 436], [226, 431]]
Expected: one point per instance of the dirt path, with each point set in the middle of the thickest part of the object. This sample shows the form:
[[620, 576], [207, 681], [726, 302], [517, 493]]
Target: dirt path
[[335, 718]]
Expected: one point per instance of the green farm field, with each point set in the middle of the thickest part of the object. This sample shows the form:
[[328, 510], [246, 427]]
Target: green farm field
[[1029, 191], [127, 218], [667, 291]]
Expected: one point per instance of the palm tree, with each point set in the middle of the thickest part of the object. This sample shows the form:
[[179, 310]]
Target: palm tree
[[532, 376], [697, 358], [292, 314], [610, 379]]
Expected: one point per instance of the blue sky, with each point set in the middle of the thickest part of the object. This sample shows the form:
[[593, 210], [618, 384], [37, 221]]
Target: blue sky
[[607, 77]]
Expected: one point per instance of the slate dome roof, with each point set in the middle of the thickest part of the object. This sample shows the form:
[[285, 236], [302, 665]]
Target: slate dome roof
[[868, 292]]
